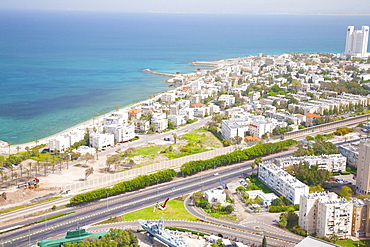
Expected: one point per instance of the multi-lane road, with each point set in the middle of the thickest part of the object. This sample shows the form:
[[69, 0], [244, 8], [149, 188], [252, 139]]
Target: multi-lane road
[[118, 205]]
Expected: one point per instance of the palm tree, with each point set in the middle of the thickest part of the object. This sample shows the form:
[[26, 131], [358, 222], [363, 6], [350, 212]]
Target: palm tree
[[30, 166], [28, 171], [45, 165], [15, 176], [9, 144], [18, 148], [21, 169], [2, 175], [5, 178], [36, 141]]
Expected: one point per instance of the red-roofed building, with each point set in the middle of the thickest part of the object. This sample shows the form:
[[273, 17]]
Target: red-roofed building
[[198, 105], [134, 113], [310, 117]]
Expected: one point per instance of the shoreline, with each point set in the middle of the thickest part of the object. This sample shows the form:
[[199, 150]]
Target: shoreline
[[4, 148]]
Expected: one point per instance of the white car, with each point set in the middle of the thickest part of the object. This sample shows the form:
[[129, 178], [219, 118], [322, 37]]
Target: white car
[[216, 174]]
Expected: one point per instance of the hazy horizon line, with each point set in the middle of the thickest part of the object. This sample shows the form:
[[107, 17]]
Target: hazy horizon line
[[178, 12]]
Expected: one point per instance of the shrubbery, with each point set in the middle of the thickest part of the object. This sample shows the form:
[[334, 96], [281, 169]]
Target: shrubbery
[[259, 150], [126, 186], [276, 209]]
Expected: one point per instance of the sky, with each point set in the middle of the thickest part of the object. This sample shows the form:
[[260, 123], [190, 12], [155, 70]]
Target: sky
[[346, 7]]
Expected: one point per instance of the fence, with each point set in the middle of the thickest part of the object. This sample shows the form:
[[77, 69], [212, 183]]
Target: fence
[[132, 173]]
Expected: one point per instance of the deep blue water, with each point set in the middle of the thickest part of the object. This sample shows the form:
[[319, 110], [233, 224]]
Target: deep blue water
[[58, 68]]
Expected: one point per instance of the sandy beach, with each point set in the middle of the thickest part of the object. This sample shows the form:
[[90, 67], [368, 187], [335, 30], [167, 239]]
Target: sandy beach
[[4, 148]]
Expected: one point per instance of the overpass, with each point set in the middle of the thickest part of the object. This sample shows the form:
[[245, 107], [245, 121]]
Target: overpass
[[328, 127]]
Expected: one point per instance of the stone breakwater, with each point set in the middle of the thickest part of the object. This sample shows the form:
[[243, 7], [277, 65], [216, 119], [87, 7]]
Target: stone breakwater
[[157, 73]]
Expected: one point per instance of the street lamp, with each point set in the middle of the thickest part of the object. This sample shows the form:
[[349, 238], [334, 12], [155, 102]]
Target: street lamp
[[107, 200], [157, 188]]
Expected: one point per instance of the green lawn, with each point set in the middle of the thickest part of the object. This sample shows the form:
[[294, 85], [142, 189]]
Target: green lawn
[[351, 243], [175, 210], [256, 184], [148, 150]]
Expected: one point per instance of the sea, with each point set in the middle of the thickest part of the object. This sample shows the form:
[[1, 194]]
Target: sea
[[61, 68]]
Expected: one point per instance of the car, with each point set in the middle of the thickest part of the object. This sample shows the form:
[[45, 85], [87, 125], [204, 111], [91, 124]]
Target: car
[[216, 174], [275, 221]]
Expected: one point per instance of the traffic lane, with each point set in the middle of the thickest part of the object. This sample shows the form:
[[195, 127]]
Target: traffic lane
[[250, 227], [213, 181]]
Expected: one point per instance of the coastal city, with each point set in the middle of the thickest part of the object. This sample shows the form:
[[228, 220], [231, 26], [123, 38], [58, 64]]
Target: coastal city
[[261, 150]]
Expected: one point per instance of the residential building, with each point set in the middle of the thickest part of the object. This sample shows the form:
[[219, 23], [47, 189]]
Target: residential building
[[159, 122], [267, 198], [227, 99], [324, 214], [249, 126], [357, 41], [215, 196], [332, 163], [360, 219], [142, 125], [134, 114], [334, 217], [281, 182], [363, 168], [101, 140], [60, 143], [350, 151], [122, 133], [177, 120], [311, 241]]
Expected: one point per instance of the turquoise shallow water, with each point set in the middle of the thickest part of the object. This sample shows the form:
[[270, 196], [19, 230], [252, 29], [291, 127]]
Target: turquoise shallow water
[[57, 69]]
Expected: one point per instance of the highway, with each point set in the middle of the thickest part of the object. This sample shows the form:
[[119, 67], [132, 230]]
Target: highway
[[121, 204]]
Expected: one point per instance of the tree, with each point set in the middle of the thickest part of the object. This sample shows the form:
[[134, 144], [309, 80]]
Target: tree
[[346, 191], [264, 242], [21, 169], [9, 144], [112, 160], [87, 157], [88, 172]]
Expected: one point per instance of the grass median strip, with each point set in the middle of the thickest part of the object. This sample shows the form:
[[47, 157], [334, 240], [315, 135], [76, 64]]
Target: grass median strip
[[53, 217], [175, 210]]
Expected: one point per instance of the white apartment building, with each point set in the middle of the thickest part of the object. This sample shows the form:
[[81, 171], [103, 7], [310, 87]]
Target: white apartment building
[[60, 143], [168, 97], [142, 125], [281, 182], [357, 41], [187, 112], [177, 120], [363, 168], [350, 151], [334, 217], [332, 163], [159, 121], [122, 133], [227, 99], [215, 196], [324, 214], [101, 140], [255, 127]]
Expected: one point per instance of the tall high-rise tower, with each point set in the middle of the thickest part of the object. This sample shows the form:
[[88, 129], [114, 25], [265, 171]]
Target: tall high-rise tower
[[357, 41], [363, 168]]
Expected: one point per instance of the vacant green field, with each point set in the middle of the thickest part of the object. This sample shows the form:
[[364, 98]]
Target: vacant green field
[[175, 211], [351, 243], [196, 141]]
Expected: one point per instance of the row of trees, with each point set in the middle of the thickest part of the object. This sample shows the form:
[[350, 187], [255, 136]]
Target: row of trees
[[116, 238], [259, 150], [318, 148], [126, 186]]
